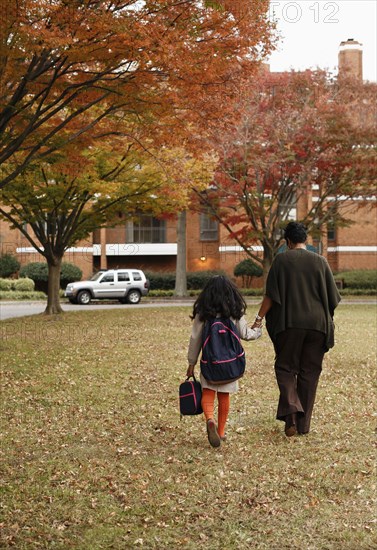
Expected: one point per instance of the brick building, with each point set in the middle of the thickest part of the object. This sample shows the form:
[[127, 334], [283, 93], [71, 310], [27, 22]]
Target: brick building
[[151, 244]]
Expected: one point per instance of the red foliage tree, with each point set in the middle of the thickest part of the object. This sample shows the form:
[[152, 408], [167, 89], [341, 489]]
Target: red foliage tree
[[295, 148]]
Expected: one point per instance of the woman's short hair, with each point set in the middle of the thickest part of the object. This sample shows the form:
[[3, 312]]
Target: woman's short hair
[[295, 232], [219, 297]]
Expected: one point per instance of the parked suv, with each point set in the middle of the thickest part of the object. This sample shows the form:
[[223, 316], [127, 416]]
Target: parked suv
[[125, 285]]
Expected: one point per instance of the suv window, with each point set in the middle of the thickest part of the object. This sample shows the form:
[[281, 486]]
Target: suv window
[[123, 277], [136, 276], [107, 279]]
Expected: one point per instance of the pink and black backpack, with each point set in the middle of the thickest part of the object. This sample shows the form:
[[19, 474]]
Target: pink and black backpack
[[223, 357]]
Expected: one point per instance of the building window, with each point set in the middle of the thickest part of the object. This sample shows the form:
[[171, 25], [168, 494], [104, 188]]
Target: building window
[[146, 230], [209, 228], [331, 233]]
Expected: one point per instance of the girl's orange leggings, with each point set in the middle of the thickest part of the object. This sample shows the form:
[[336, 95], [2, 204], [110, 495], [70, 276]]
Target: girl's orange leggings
[[208, 406]]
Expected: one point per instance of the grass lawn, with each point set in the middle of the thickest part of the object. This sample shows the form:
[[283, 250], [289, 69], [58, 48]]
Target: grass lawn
[[94, 454]]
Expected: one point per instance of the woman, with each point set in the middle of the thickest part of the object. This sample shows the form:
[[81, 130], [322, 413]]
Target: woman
[[219, 298], [299, 305]]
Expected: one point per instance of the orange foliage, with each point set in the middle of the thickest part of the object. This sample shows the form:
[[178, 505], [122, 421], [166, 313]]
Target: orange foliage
[[157, 72]]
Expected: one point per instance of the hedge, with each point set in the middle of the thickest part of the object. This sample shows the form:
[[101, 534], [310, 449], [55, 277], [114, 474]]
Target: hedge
[[69, 274], [256, 292], [160, 281], [197, 280], [357, 279], [6, 284], [365, 279], [8, 265], [17, 295], [23, 285], [358, 292], [38, 272], [166, 281], [20, 285]]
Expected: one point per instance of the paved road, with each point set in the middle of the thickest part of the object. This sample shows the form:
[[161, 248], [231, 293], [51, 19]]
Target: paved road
[[9, 310]]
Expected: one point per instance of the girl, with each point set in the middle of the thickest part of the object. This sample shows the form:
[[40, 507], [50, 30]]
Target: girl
[[219, 298]]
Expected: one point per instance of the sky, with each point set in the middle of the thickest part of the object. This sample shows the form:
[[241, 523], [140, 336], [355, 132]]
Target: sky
[[312, 31]]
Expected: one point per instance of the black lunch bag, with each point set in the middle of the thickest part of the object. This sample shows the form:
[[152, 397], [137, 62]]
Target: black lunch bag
[[190, 397]]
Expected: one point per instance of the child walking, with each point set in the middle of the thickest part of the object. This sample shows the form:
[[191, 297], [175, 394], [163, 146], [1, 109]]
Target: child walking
[[219, 298]]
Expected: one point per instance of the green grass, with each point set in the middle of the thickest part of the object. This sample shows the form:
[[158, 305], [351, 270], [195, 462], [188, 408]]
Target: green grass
[[94, 454]]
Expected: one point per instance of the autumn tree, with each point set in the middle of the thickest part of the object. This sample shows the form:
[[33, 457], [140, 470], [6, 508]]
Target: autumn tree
[[63, 200], [76, 73], [185, 171], [57, 203], [294, 150], [157, 71]]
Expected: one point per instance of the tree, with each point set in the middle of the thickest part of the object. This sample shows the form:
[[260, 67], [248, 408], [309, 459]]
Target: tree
[[247, 269], [77, 71], [293, 147], [185, 171], [65, 199], [181, 270]]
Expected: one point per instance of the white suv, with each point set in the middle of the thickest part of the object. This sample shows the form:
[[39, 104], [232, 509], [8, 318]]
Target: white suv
[[125, 285]]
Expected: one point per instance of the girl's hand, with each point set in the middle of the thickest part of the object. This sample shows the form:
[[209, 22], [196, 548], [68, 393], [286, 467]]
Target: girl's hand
[[190, 371], [257, 333]]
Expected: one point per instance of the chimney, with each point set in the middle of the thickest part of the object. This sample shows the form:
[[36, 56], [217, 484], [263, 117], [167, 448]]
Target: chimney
[[350, 59]]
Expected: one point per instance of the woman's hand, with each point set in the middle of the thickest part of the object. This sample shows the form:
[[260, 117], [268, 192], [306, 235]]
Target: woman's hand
[[190, 371]]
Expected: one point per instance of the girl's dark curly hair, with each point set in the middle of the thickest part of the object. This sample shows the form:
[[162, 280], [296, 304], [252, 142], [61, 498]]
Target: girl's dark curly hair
[[219, 297]]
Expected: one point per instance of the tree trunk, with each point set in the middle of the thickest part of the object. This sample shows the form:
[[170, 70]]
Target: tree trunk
[[266, 263], [53, 301], [181, 274]]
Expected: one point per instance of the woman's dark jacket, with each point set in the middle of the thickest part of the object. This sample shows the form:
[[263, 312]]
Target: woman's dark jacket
[[304, 294]]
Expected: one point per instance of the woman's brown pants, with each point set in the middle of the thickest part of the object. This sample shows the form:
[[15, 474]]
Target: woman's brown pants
[[298, 365]]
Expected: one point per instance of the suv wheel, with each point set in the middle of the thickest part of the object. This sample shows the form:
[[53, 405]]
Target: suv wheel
[[84, 297], [133, 297]]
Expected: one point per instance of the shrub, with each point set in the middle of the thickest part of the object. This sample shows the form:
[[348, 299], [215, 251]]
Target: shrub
[[23, 285], [161, 293], [166, 281], [6, 284], [252, 291], [38, 272], [196, 280], [358, 292], [13, 295], [247, 269], [170, 293], [160, 281], [358, 279], [8, 265], [69, 273], [193, 293]]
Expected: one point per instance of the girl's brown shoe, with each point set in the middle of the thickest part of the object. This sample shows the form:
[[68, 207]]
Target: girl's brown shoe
[[213, 436]]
